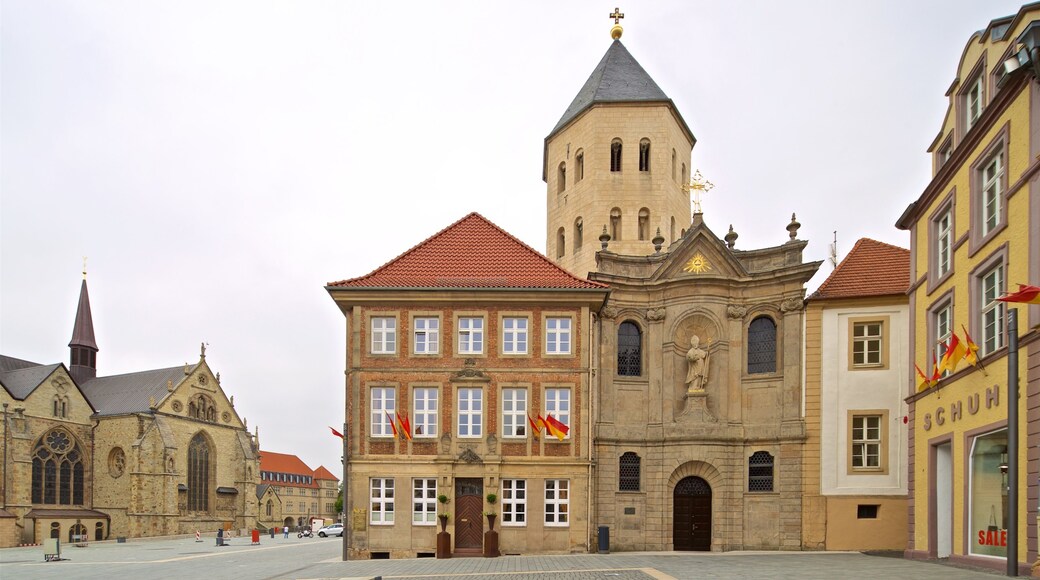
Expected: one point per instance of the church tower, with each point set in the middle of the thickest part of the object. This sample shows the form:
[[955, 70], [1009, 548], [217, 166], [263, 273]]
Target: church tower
[[82, 348], [616, 163]]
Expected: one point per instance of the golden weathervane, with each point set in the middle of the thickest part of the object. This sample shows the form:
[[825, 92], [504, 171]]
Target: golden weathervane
[[698, 186]]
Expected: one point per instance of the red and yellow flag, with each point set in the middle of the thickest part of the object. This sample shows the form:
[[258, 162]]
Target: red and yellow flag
[[1026, 294], [971, 349], [406, 425], [925, 381], [536, 428], [391, 420], [936, 373], [556, 427], [955, 351]]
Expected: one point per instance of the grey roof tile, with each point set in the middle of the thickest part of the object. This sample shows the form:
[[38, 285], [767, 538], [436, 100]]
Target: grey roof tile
[[133, 392], [9, 363], [21, 382]]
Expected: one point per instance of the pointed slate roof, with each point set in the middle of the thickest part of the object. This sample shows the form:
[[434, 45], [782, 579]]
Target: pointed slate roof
[[83, 331], [872, 268], [618, 78], [132, 392], [470, 253]]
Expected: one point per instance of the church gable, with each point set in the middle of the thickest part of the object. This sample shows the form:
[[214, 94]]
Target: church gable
[[699, 254], [199, 396], [48, 391]]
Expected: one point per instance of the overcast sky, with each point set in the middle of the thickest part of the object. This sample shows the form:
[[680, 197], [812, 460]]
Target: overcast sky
[[220, 162]]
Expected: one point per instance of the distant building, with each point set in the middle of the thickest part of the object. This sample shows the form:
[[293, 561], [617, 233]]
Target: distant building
[[857, 327], [303, 493], [975, 235], [149, 453]]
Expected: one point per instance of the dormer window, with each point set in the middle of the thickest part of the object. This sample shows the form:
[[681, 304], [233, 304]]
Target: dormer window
[[973, 103]]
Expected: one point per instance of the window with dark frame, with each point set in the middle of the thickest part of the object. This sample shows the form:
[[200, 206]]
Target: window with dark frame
[[57, 470], [644, 155], [615, 156], [198, 474], [628, 472], [762, 346], [629, 350]]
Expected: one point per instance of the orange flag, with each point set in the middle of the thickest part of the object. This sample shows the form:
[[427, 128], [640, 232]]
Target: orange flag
[[925, 382], [406, 425], [391, 419], [535, 428], [971, 349], [556, 427], [955, 351], [1026, 295]]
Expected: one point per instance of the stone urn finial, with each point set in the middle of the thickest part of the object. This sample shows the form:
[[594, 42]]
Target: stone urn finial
[[731, 237], [604, 238], [792, 228], [658, 241]]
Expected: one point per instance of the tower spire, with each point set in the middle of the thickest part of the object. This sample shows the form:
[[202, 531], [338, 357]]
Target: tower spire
[[83, 348]]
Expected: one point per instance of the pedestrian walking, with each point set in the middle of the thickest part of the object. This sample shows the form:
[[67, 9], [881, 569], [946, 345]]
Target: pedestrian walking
[[285, 530]]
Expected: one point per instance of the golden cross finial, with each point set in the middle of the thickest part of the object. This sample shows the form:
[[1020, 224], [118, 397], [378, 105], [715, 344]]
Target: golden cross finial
[[84, 267], [698, 186], [616, 30], [617, 15]]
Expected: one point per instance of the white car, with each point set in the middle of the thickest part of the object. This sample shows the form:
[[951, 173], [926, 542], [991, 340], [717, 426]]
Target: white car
[[333, 530]]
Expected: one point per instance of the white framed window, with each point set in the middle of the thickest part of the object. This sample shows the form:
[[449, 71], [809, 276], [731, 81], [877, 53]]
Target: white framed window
[[944, 242], [514, 412], [471, 335], [558, 404], [471, 412], [381, 501], [384, 406], [991, 178], [943, 318], [557, 502], [557, 335], [866, 344], [427, 335], [514, 502], [973, 103], [866, 442], [991, 309], [424, 501], [514, 335], [425, 401], [384, 335]]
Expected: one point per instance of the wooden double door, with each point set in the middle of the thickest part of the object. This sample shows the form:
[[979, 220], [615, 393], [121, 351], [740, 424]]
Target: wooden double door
[[469, 511], [691, 515]]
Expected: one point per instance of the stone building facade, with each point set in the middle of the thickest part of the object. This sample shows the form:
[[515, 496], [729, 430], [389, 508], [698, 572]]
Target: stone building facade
[[150, 453], [304, 494]]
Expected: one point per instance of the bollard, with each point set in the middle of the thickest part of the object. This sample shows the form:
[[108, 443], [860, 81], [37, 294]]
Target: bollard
[[272, 533], [604, 540]]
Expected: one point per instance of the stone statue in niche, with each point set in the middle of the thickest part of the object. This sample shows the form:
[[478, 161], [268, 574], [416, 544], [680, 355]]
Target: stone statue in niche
[[697, 360]]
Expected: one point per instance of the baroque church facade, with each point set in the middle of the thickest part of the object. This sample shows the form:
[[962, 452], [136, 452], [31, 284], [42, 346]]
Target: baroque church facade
[[684, 399], [149, 453]]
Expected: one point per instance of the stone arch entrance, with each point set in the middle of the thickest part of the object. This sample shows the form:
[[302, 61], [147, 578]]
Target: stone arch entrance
[[288, 522], [691, 515]]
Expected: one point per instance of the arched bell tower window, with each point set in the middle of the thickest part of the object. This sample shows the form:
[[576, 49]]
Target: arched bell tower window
[[560, 243], [561, 178], [200, 468], [57, 470], [629, 350], [615, 155], [671, 231], [644, 224], [615, 224], [579, 233], [761, 351], [579, 165], [644, 155], [673, 164]]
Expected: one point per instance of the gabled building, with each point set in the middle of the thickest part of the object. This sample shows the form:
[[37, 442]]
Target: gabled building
[[305, 494], [150, 453], [856, 356], [975, 234], [467, 336]]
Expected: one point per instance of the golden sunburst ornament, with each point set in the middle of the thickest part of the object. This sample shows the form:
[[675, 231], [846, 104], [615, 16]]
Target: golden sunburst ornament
[[697, 264]]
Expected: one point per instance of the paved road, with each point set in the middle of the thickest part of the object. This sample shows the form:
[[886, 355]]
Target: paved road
[[320, 558]]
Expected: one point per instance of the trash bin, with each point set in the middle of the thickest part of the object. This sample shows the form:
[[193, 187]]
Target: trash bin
[[272, 532], [255, 536], [604, 540]]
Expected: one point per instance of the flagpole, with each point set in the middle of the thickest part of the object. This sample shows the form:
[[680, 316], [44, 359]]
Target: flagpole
[[1012, 395], [346, 486]]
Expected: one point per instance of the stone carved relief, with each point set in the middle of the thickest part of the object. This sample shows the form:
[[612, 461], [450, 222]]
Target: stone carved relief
[[492, 443], [470, 456], [655, 314], [60, 383], [177, 406], [700, 326], [446, 443], [736, 312], [608, 312], [791, 305], [697, 365]]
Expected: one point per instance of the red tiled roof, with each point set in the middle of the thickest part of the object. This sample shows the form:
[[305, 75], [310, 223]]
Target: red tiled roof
[[872, 268], [283, 463], [322, 473], [470, 253]]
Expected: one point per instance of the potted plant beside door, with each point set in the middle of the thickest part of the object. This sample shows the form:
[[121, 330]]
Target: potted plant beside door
[[491, 536], [443, 537]]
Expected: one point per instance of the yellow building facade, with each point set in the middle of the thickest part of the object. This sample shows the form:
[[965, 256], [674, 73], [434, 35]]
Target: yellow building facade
[[975, 233]]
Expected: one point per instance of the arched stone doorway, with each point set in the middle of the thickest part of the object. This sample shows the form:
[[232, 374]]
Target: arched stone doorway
[[288, 522], [691, 515]]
